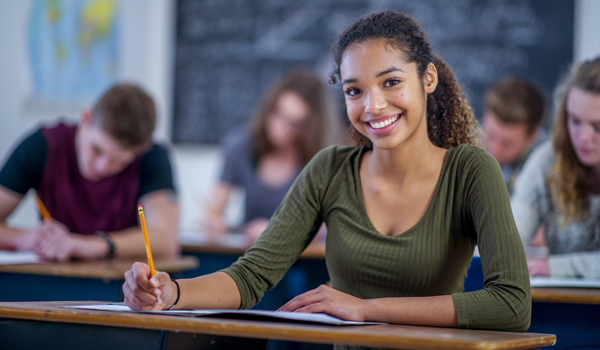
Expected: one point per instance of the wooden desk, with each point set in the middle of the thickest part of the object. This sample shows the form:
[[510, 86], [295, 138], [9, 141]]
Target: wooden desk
[[566, 295], [387, 336], [573, 314], [231, 244], [76, 280]]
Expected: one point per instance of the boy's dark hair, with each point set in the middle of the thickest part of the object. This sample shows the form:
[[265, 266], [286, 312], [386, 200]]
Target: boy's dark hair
[[515, 100], [450, 120], [126, 113]]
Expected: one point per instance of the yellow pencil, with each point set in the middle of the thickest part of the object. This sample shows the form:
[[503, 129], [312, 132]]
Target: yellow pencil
[[42, 209], [146, 240]]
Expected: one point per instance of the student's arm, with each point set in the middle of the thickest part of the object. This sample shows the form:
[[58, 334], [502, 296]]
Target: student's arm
[[162, 213], [22, 171], [580, 264], [525, 200], [426, 311], [236, 151], [213, 217], [214, 291], [12, 238], [295, 224]]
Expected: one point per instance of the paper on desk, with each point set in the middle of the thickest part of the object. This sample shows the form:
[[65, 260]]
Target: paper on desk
[[12, 258], [540, 281], [264, 315]]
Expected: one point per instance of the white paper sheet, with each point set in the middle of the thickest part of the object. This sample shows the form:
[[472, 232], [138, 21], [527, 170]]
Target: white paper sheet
[[539, 281], [12, 258], [276, 315]]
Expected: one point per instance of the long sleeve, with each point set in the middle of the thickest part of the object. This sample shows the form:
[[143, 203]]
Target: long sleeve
[[290, 230], [529, 188], [580, 264], [505, 301]]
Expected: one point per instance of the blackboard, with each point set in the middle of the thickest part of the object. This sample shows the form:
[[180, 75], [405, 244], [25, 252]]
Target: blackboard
[[229, 51]]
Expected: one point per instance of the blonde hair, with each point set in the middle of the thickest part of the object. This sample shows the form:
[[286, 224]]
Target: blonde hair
[[570, 181]]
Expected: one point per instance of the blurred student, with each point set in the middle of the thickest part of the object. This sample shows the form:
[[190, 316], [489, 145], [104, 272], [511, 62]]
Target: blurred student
[[559, 186], [514, 110], [91, 177], [294, 120]]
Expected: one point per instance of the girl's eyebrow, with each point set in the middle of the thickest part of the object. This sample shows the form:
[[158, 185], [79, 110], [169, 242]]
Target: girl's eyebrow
[[387, 71]]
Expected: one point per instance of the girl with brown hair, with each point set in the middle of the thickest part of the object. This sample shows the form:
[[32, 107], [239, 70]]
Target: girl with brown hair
[[404, 210], [559, 187], [294, 120]]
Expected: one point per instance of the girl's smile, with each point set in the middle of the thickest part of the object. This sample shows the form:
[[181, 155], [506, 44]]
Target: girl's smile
[[383, 125]]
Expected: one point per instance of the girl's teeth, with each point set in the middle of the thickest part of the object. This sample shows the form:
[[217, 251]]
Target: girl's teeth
[[384, 123]]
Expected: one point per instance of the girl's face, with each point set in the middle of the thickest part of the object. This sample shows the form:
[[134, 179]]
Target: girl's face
[[288, 120], [583, 122], [385, 98]]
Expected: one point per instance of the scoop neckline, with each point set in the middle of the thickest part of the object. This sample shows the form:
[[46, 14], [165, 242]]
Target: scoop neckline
[[361, 201]]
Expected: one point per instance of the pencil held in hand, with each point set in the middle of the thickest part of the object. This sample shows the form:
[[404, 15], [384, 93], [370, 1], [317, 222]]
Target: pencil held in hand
[[146, 240], [42, 209]]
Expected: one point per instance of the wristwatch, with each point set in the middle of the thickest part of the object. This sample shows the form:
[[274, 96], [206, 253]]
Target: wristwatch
[[109, 242]]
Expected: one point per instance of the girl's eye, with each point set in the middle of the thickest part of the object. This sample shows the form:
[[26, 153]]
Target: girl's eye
[[574, 121], [352, 91], [391, 82]]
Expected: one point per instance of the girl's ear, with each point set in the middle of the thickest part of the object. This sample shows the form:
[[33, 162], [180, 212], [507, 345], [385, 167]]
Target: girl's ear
[[430, 80]]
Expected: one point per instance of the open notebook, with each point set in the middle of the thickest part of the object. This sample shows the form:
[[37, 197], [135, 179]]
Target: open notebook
[[254, 315]]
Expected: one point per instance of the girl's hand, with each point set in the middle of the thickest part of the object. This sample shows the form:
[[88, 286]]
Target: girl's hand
[[327, 300], [538, 267], [142, 293]]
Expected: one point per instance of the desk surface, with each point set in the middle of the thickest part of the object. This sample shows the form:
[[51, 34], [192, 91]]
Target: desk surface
[[234, 244], [389, 336], [111, 270], [566, 295]]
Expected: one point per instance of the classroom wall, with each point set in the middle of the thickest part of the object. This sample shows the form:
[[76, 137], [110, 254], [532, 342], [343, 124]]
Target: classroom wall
[[147, 56]]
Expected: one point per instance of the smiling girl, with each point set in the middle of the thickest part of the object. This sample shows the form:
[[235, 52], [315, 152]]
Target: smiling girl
[[404, 209]]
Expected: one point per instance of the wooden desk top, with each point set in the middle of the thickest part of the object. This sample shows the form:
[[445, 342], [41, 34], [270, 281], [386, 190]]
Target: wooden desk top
[[566, 295], [234, 244], [109, 270], [388, 336]]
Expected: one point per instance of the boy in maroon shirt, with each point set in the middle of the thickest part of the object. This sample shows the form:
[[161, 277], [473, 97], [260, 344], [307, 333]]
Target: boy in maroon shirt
[[91, 178]]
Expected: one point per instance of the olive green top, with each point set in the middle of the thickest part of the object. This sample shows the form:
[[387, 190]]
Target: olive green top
[[470, 207]]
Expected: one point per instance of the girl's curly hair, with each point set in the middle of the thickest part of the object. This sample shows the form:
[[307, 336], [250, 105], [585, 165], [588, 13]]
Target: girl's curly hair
[[450, 120]]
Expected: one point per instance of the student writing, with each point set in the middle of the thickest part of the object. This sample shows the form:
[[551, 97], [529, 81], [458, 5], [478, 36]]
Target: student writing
[[294, 120], [559, 187], [404, 210], [91, 178]]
